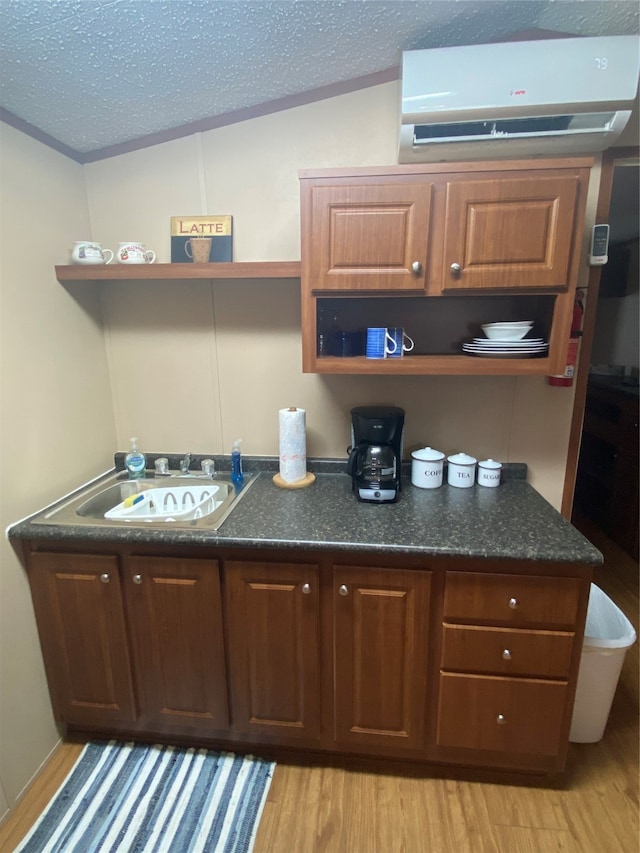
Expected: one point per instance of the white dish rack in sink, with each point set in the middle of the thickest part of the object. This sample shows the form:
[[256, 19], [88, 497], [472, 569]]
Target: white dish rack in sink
[[179, 503]]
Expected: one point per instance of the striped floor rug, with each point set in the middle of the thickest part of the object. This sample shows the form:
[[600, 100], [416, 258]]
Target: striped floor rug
[[135, 798]]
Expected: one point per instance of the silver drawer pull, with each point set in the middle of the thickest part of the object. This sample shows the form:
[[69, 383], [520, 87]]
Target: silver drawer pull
[[514, 603], [105, 578], [344, 590], [506, 654], [306, 588], [455, 268], [501, 719], [137, 578], [416, 267]]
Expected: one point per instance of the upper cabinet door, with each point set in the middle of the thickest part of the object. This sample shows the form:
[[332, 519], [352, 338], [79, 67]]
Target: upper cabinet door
[[362, 238], [509, 233]]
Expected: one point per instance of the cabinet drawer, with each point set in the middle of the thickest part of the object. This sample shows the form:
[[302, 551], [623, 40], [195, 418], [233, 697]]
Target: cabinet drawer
[[500, 714], [516, 600], [506, 651]]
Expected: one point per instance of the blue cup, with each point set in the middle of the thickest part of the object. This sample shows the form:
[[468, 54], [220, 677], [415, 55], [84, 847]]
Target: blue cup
[[348, 344], [402, 341], [380, 344]]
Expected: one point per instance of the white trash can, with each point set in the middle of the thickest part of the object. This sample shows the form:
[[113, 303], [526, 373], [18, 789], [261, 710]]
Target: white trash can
[[607, 636]]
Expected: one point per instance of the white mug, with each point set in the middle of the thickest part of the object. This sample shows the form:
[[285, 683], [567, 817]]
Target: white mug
[[88, 252], [134, 253]]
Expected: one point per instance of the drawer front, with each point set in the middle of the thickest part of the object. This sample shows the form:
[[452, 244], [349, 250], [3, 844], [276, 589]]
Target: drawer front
[[516, 600], [506, 651], [501, 714]]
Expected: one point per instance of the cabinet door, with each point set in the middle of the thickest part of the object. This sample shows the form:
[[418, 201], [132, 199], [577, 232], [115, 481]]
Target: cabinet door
[[78, 605], [366, 238], [381, 623], [273, 614], [509, 233], [175, 612]]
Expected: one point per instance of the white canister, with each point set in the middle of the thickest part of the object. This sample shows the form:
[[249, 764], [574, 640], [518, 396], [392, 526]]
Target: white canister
[[461, 470], [426, 468], [489, 473]]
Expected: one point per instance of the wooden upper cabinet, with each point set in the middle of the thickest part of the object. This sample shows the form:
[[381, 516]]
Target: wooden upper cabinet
[[366, 237], [509, 233], [78, 604]]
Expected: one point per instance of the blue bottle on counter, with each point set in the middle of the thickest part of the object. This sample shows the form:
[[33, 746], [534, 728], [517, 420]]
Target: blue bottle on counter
[[237, 477]]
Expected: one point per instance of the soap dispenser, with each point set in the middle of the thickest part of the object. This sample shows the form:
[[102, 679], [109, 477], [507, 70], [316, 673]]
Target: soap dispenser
[[135, 462], [237, 477]]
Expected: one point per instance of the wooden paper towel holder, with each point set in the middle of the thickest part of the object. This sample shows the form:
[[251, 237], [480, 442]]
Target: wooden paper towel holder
[[307, 480]]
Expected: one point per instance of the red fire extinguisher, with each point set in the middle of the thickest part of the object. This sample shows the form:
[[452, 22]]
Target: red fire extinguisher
[[565, 379]]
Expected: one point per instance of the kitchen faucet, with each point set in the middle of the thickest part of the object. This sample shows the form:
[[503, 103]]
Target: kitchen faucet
[[184, 463]]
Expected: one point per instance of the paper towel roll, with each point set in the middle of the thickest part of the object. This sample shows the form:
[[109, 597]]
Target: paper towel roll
[[293, 444]]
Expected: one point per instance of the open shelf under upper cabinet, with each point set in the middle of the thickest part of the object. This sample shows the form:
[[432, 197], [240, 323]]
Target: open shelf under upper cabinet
[[179, 272]]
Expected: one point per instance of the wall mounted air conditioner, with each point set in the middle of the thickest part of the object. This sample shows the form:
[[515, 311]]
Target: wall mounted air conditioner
[[512, 99]]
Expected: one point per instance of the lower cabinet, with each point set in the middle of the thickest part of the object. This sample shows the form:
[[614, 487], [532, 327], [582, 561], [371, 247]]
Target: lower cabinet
[[380, 645], [273, 615], [443, 660], [175, 618], [508, 652], [152, 622], [80, 614]]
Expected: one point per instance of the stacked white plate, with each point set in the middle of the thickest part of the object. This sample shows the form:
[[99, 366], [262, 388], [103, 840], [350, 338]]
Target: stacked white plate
[[494, 348]]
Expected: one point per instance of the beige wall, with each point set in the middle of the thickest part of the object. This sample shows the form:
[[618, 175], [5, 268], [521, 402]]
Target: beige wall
[[57, 425], [192, 366], [196, 365]]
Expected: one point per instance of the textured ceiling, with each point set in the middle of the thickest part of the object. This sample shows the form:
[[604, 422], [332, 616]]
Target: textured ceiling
[[97, 73]]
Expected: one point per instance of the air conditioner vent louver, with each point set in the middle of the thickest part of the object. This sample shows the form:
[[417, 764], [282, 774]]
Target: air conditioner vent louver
[[514, 127]]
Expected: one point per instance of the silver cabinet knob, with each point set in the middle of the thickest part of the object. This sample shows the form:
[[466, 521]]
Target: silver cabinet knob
[[416, 267], [105, 578], [137, 578], [506, 654], [306, 588], [344, 590], [514, 603], [455, 268], [501, 719]]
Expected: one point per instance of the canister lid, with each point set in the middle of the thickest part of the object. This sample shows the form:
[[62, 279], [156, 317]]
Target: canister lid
[[490, 463], [462, 459], [427, 454]]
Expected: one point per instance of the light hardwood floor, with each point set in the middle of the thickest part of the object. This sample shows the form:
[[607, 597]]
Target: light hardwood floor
[[593, 808]]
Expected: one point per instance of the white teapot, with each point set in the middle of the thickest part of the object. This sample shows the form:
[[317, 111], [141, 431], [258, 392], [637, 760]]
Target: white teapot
[[87, 252]]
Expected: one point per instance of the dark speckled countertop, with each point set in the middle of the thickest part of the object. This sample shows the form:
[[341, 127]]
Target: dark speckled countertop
[[511, 521]]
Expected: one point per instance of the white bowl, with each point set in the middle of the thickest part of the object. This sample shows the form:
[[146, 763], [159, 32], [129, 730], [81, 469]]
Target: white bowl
[[507, 331]]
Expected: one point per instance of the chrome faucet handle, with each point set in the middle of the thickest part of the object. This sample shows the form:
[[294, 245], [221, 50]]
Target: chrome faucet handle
[[185, 462], [208, 467], [162, 466]]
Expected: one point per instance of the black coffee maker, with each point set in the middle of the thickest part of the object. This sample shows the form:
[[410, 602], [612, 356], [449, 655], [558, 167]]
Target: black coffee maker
[[375, 455]]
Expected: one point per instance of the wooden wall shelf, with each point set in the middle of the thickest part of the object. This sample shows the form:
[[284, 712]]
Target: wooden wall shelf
[[178, 272]]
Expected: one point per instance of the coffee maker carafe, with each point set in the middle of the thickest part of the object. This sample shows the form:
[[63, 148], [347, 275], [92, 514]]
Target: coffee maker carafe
[[375, 455]]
